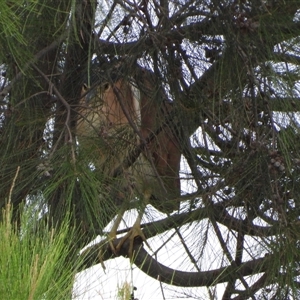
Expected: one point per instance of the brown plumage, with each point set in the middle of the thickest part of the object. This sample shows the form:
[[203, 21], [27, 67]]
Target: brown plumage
[[115, 118]]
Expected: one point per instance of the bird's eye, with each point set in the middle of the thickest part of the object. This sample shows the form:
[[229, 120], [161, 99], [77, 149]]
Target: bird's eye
[[85, 87], [106, 86]]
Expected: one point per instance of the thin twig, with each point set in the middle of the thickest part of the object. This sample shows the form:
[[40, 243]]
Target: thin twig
[[161, 288], [107, 19], [67, 106], [186, 248], [40, 54], [13, 185]]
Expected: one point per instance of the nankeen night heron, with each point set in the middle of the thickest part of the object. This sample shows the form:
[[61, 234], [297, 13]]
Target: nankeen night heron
[[116, 117]]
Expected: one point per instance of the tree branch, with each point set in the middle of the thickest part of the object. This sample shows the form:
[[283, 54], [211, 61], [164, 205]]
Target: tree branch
[[158, 271]]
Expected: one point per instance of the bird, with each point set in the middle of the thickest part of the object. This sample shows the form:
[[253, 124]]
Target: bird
[[121, 123]]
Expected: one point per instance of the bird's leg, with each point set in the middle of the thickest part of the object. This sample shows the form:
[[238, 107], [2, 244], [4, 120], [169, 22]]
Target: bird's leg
[[135, 231], [113, 232], [111, 236]]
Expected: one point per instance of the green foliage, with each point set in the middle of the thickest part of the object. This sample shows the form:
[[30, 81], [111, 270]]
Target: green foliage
[[35, 261], [11, 36], [124, 291]]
